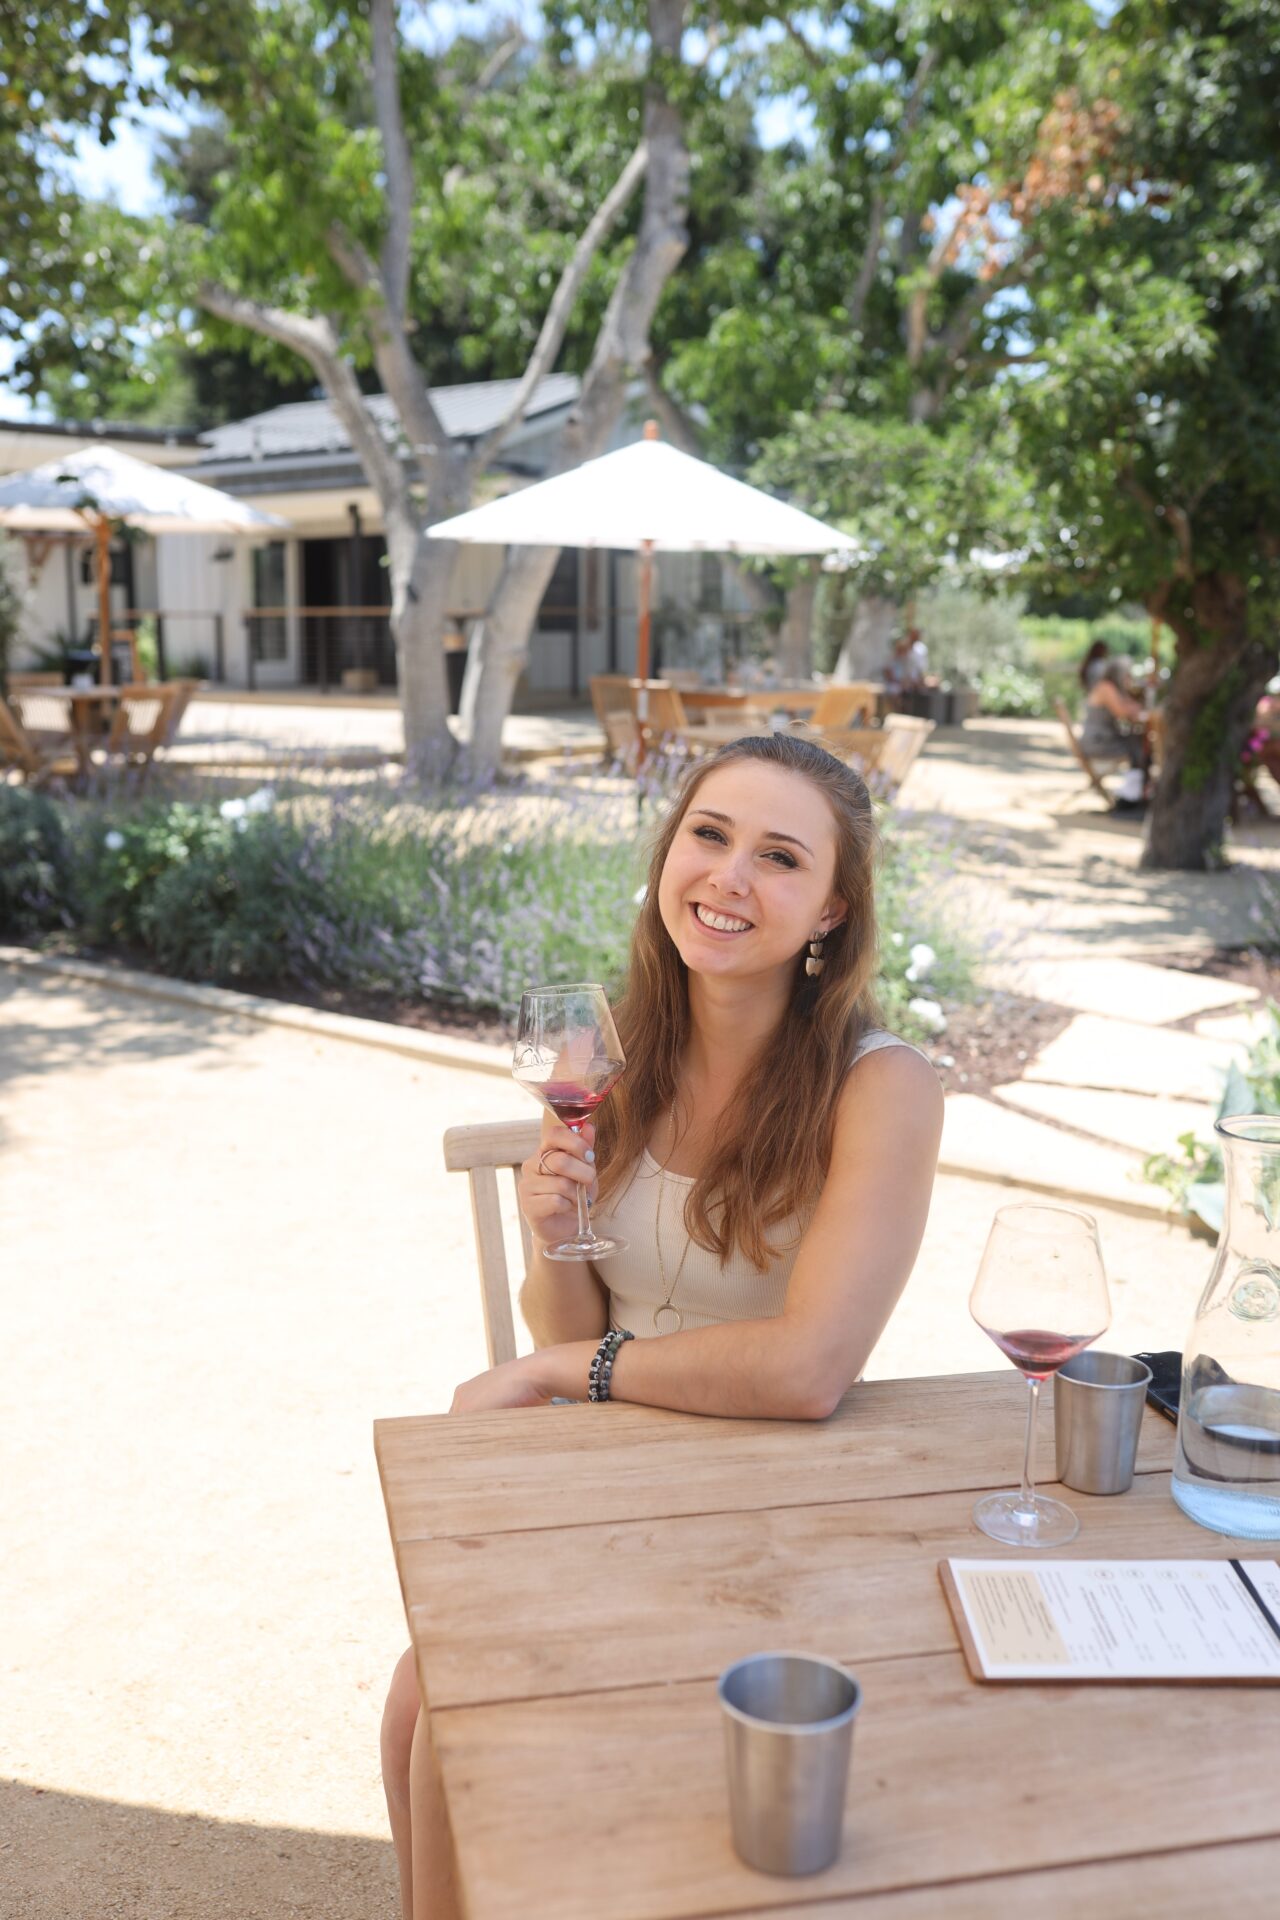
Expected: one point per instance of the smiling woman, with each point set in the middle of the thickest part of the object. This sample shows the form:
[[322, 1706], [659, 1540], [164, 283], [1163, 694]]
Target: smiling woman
[[768, 1155]]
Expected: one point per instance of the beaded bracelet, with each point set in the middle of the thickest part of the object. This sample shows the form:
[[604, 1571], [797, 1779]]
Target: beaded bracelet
[[600, 1371]]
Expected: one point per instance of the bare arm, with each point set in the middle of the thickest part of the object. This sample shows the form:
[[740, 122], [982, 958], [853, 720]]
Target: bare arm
[[853, 1264], [1120, 705], [561, 1300]]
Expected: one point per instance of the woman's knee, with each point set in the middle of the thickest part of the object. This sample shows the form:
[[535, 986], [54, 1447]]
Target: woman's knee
[[400, 1716]]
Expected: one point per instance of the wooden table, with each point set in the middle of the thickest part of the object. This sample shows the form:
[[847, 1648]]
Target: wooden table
[[576, 1577]]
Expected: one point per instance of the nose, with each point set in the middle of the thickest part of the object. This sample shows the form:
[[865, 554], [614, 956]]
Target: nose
[[733, 875]]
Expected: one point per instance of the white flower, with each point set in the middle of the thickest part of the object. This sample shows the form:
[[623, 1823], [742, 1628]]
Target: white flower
[[233, 809], [922, 960], [896, 939], [641, 893], [242, 824], [113, 841], [262, 801], [929, 1014]]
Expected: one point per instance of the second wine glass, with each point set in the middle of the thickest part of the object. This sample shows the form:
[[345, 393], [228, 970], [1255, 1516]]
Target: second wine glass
[[568, 1054], [1041, 1295]]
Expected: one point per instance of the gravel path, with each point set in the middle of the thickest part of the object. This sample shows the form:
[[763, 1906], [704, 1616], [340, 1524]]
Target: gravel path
[[229, 1247]]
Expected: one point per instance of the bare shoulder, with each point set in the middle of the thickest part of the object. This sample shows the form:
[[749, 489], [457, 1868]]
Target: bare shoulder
[[890, 1085]]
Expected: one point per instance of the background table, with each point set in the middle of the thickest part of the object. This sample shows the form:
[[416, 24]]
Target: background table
[[576, 1577]]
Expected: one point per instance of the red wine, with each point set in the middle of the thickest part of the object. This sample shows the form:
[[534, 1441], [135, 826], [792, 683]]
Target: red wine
[[570, 1101], [1037, 1353]]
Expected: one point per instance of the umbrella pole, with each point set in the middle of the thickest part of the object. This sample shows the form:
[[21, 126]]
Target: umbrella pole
[[102, 531]]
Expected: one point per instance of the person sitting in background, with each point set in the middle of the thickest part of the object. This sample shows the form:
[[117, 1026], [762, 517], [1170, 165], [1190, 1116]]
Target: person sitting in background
[[1093, 666], [1117, 726], [907, 671]]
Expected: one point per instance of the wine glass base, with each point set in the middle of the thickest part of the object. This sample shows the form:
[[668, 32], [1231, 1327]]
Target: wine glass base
[[584, 1246], [1039, 1522]]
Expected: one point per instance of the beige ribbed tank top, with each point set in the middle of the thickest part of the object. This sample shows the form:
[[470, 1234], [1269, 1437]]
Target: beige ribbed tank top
[[709, 1291]]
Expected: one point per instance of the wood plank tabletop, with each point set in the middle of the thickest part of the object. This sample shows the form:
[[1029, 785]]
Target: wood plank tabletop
[[565, 1466], [576, 1577]]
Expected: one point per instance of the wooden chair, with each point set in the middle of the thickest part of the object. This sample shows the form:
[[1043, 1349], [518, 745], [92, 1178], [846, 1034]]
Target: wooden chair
[[844, 706], [38, 751], [143, 722], [611, 701], [479, 1152], [905, 739], [182, 693], [658, 712], [1088, 763], [883, 755]]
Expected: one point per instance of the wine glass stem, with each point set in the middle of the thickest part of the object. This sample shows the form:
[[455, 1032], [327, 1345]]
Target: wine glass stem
[[1027, 1498], [585, 1231]]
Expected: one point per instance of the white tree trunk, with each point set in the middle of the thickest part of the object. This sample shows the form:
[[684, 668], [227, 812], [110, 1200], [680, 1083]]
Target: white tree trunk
[[869, 641], [500, 644], [795, 649], [421, 571]]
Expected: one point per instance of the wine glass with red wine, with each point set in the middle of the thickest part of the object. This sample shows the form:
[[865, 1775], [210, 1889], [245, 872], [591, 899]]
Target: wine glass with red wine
[[568, 1053], [1041, 1295]]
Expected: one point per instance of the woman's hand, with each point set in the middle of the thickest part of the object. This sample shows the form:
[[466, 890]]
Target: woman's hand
[[513, 1384], [549, 1180]]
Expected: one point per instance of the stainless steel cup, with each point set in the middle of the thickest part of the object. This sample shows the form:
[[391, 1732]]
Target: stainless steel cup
[[1097, 1414], [788, 1723]]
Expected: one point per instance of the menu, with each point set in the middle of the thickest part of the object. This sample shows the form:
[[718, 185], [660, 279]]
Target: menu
[[1117, 1619]]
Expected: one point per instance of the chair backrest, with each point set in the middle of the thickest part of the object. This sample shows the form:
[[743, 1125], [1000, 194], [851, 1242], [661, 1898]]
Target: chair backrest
[[610, 693], [142, 719], [479, 1152], [862, 747], [666, 710], [904, 740], [182, 692], [841, 706], [44, 714], [15, 748]]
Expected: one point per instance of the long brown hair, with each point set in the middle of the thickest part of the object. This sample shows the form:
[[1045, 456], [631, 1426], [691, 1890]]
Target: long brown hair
[[774, 1140]]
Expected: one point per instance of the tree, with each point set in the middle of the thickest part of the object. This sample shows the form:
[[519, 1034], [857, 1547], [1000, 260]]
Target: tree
[[68, 68], [363, 237], [875, 293], [1152, 425]]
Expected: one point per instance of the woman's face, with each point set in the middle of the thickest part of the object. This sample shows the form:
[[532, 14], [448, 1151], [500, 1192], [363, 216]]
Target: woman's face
[[750, 873]]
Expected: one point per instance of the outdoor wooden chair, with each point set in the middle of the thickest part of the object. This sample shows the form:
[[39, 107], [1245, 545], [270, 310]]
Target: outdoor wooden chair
[[905, 739], [844, 706], [611, 701], [143, 722], [479, 1152], [37, 736], [182, 693], [1088, 763]]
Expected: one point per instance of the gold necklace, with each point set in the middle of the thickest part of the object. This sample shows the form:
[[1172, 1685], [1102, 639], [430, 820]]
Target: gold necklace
[[666, 1306]]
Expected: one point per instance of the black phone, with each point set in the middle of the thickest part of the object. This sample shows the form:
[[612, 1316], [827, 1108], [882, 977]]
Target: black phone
[[1166, 1381]]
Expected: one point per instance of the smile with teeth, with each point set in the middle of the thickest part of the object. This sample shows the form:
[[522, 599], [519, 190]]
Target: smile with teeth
[[719, 922]]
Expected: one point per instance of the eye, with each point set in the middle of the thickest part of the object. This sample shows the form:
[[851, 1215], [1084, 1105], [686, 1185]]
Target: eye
[[783, 858], [710, 833]]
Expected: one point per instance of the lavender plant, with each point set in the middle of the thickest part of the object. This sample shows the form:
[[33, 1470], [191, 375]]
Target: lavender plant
[[463, 902]]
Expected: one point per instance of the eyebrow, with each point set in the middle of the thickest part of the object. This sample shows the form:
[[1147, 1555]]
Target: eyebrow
[[724, 819]]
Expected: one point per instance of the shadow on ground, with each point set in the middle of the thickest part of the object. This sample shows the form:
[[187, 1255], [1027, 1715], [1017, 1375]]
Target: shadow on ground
[[122, 1028], [75, 1858]]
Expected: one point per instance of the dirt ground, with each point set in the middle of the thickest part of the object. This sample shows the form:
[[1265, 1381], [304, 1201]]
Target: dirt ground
[[229, 1248]]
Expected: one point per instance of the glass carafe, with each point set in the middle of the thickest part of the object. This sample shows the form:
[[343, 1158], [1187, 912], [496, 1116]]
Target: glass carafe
[[1227, 1471]]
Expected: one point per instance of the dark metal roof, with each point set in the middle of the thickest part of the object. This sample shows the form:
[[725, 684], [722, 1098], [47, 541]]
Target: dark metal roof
[[312, 427], [104, 430]]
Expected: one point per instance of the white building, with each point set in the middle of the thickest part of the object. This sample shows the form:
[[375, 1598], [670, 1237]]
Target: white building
[[308, 609]]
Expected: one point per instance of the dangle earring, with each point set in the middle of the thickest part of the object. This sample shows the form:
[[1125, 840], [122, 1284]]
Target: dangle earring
[[814, 964]]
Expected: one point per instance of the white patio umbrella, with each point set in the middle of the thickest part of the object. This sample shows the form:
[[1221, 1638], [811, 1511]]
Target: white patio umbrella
[[647, 498], [98, 488]]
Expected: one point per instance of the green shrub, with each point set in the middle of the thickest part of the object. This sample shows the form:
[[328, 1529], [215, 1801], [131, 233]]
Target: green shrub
[[464, 902], [970, 634], [1013, 692], [36, 865]]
